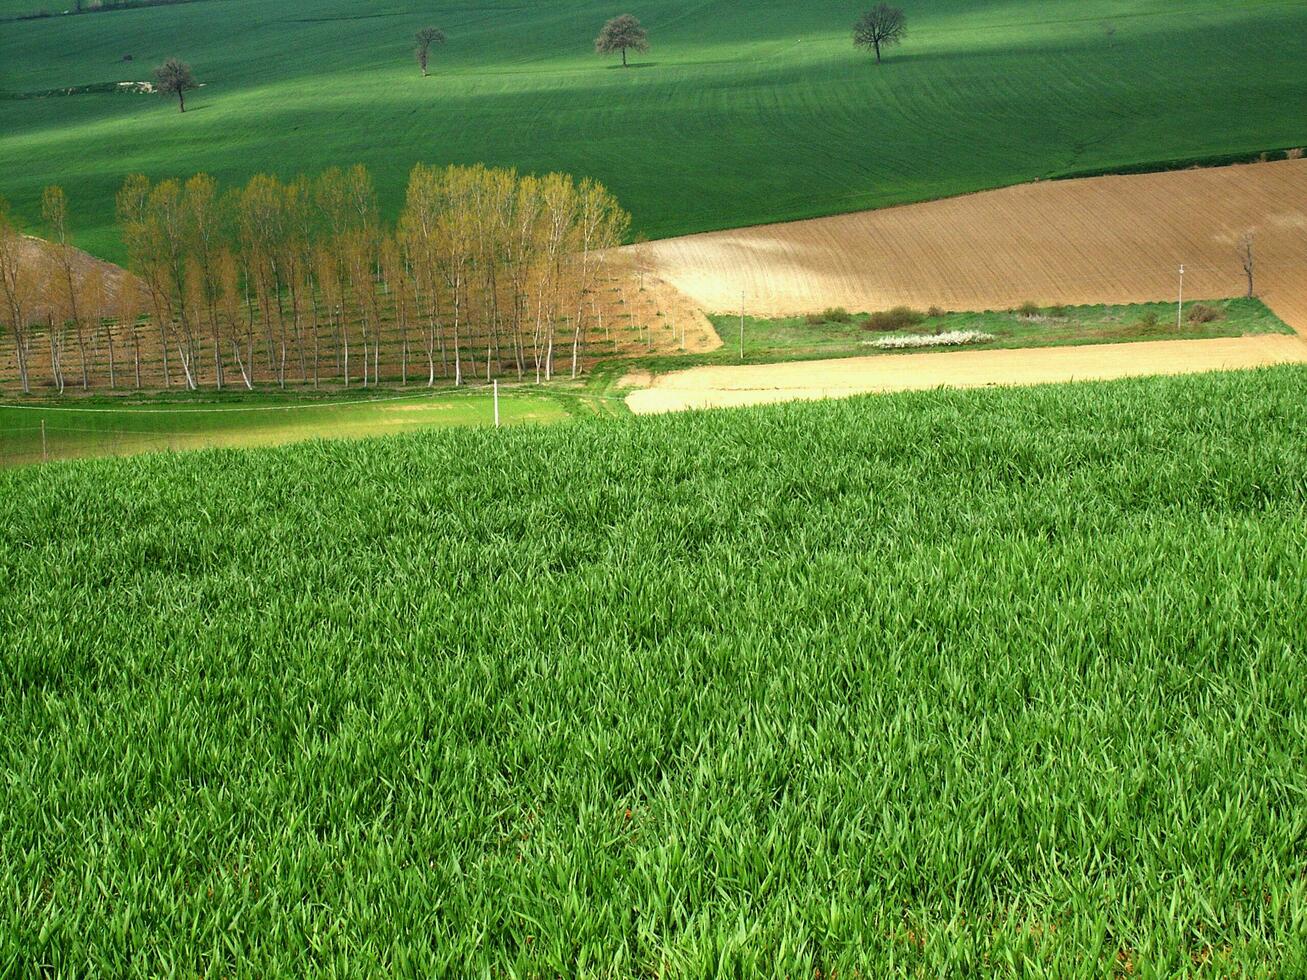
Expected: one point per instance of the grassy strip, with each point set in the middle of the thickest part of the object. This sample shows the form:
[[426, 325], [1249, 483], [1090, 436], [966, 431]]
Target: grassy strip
[[106, 426], [797, 338], [1185, 163], [943, 683]]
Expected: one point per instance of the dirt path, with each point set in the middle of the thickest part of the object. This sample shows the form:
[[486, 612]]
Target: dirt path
[[713, 387], [1097, 240]]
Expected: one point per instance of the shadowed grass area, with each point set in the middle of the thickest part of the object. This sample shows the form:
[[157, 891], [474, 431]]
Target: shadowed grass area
[[910, 685], [108, 427], [746, 112]]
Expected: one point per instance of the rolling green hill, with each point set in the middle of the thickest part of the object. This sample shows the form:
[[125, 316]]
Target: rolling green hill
[[743, 112]]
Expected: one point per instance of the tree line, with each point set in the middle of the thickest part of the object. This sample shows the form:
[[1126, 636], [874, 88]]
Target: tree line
[[487, 272]]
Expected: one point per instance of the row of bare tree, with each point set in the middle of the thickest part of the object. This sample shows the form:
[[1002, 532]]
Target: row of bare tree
[[487, 272]]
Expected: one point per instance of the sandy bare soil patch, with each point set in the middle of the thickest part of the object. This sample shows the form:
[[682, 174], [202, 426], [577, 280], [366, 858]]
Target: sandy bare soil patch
[[39, 254], [1096, 240], [715, 387]]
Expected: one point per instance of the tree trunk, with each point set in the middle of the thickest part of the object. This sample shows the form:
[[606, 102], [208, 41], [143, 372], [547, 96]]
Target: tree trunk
[[20, 351], [317, 329], [136, 353], [624, 64], [113, 379], [344, 336], [240, 363], [81, 351], [458, 353], [181, 98]]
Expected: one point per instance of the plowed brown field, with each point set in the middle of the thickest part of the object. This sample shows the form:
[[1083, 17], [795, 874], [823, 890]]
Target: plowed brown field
[[1095, 240]]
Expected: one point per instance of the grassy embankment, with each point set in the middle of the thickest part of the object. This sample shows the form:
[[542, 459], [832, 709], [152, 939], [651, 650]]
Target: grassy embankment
[[793, 338], [742, 113], [955, 682]]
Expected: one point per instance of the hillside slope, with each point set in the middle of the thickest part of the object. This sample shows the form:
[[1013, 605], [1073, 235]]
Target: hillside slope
[[1118, 239], [912, 685], [742, 113]]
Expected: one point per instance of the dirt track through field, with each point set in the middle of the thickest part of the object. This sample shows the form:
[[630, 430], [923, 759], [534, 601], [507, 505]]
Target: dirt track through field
[[717, 387], [1095, 240]]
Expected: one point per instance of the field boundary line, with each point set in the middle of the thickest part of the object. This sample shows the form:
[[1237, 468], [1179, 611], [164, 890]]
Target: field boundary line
[[183, 410]]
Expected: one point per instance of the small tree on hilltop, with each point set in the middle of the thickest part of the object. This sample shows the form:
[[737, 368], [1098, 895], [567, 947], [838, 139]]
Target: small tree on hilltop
[[622, 33], [425, 38], [880, 27], [174, 77]]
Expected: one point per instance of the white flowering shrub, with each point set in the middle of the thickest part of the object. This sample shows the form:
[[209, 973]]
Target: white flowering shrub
[[953, 338]]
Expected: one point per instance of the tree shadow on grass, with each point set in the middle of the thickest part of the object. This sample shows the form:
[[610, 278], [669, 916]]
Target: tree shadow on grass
[[633, 64]]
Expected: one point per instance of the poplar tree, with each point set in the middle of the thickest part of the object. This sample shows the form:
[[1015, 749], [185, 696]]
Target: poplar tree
[[54, 210], [145, 252], [17, 288]]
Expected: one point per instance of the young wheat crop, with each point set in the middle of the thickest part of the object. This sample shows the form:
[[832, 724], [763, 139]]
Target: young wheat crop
[[937, 683]]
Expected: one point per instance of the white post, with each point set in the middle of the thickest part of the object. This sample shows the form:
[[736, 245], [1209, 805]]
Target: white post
[[1179, 306], [741, 324], [496, 383], [45, 454]]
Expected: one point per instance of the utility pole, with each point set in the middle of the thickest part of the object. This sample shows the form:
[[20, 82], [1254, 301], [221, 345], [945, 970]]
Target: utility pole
[[741, 324], [1179, 306]]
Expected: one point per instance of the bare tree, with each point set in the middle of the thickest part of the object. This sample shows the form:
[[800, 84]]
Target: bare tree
[[1246, 257], [239, 328], [54, 209], [16, 288], [143, 238], [393, 281], [601, 225], [131, 301], [203, 221], [425, 38], [167, 209], [880, 27], [174, 77], [622, 33], [96, 302]]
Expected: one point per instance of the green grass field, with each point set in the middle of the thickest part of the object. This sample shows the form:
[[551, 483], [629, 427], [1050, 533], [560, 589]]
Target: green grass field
[[742, 112], [794, 338], [108, 427], [1007, 682]]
